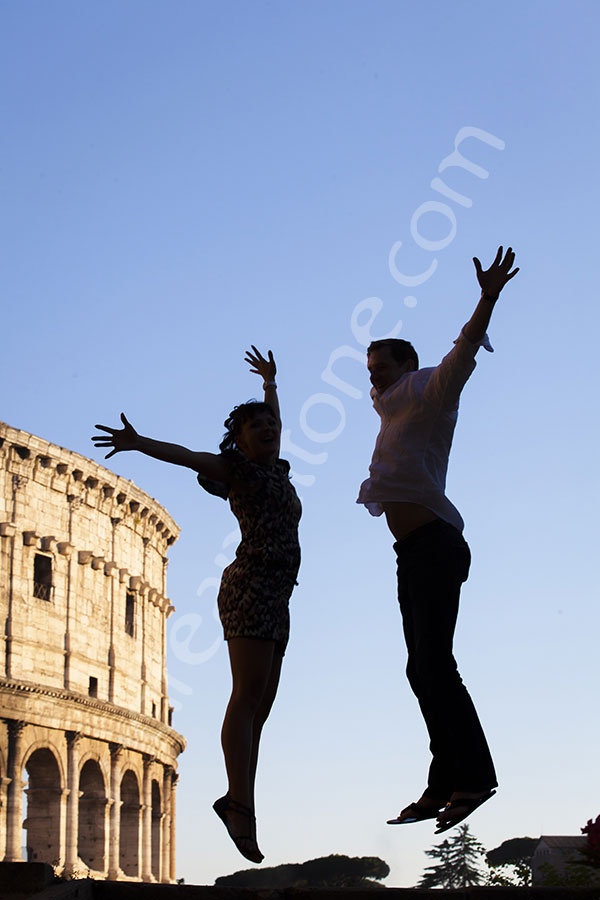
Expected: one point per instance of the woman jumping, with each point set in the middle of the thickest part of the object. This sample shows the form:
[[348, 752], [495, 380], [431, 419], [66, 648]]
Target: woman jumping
[[255, 589]]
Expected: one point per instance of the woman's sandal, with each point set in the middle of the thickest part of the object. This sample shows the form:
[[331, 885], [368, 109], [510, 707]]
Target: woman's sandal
[[467, 805], [225, 805], [416, 812]]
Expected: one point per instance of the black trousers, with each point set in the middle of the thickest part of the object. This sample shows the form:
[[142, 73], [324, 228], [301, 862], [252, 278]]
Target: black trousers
[[433, 562]]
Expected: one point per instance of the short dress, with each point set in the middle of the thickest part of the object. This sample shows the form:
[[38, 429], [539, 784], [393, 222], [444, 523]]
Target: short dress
[[256, 587]]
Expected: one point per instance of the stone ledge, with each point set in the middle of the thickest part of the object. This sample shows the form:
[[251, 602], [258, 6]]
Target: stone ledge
[[21, 687], [88, 889], [24, 878], [107, 890]]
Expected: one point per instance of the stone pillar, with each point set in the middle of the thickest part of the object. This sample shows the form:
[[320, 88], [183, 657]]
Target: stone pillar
[[114, 870], [14, 792], [174, 780], [165, 863], [112, 664], [4, 782], [72, 831], [164, 700], [146, 866]]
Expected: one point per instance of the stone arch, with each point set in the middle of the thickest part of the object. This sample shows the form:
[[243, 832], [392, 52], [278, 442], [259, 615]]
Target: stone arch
[[91, 838], [101, 760], [44, 807], [56, 749], [156, 829], [129, 831]]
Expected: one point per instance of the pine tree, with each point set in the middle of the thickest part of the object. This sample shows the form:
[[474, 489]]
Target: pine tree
[[456, 865]]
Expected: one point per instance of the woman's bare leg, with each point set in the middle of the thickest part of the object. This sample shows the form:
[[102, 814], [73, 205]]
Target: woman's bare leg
[[251, 669], [262, 714]]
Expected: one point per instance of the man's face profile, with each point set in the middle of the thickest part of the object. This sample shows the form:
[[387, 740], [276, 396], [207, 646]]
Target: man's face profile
[[384, 370]]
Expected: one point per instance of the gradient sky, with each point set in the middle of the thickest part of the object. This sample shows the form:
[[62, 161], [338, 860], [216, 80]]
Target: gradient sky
[[181, 179]]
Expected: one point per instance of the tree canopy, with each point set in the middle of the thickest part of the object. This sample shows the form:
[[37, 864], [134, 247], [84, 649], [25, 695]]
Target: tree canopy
[[513, 852], [326, 871], [457, 858]]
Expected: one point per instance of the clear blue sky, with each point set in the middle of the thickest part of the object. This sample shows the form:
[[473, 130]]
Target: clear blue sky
[[179, 180]]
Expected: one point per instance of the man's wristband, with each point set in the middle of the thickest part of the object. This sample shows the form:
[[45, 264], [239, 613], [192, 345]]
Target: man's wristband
[[267, 384], [490, 297]]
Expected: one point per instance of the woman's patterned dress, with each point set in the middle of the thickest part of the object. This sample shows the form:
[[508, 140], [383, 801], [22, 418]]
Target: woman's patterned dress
[[256, 587]]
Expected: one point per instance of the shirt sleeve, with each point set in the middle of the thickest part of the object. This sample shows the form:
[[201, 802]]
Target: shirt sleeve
[[449, 378], [216, 488], [219, 488]]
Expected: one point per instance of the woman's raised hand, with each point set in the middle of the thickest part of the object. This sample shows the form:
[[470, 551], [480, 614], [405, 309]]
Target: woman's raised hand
[[266, 368], [125, 438]]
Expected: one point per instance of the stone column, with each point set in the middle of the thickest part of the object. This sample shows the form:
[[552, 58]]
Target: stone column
[[164, 700], [4, 782], [14, 792], [174, 780], [115, 812], [72, 831], [111, 650], [165, 863], [74, 502], [146, 867]]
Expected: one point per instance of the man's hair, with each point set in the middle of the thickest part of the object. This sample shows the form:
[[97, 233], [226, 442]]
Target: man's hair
[[400, 350]]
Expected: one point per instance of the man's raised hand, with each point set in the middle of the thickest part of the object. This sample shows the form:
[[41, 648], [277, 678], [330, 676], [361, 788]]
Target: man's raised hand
[[266, 368], [125, 438], [492, 280]]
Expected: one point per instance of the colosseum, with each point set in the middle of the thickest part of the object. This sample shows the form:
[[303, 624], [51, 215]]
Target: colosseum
[[88, 756]]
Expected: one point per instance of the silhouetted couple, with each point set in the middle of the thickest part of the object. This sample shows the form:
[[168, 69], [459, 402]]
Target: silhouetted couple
[[418, 410]]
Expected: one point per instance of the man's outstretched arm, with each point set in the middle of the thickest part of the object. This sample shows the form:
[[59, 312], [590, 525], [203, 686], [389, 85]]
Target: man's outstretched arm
[[492, 281]]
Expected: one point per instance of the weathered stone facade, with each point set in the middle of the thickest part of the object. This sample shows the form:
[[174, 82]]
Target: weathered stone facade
[[85, 720]]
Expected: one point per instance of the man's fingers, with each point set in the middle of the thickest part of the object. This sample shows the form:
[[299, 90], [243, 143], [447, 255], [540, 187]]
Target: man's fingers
[[498, 257], [512, 274], [105, 428], [124, 420], [477, 264], [112, 453]]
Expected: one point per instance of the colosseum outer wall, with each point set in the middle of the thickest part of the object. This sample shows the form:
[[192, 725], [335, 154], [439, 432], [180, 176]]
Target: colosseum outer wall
[[83, 672]]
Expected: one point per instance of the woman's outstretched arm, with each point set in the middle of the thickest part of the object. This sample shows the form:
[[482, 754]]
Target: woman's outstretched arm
[[210, 465], [267, 369]]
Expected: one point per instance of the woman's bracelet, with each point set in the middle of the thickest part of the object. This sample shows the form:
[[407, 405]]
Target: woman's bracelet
[[267, 384]]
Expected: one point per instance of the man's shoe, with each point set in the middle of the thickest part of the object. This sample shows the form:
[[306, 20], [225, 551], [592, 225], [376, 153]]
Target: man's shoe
[[416, 812], [466, 805]]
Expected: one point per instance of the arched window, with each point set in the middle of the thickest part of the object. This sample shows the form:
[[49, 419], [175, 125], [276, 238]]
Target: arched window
[[129, 842], [92, 810], [156, 822], [42, 822]]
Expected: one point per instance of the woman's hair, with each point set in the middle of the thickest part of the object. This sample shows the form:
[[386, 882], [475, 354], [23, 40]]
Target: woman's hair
[[238, 416]]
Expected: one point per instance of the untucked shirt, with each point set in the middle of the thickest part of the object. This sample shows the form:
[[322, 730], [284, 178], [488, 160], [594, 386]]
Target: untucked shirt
[[418, 417]]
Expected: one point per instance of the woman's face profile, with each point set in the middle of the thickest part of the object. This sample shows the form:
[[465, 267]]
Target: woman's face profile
[[259, 437]]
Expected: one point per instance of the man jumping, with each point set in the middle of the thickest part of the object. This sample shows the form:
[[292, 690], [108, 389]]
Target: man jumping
[[419, 410]]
